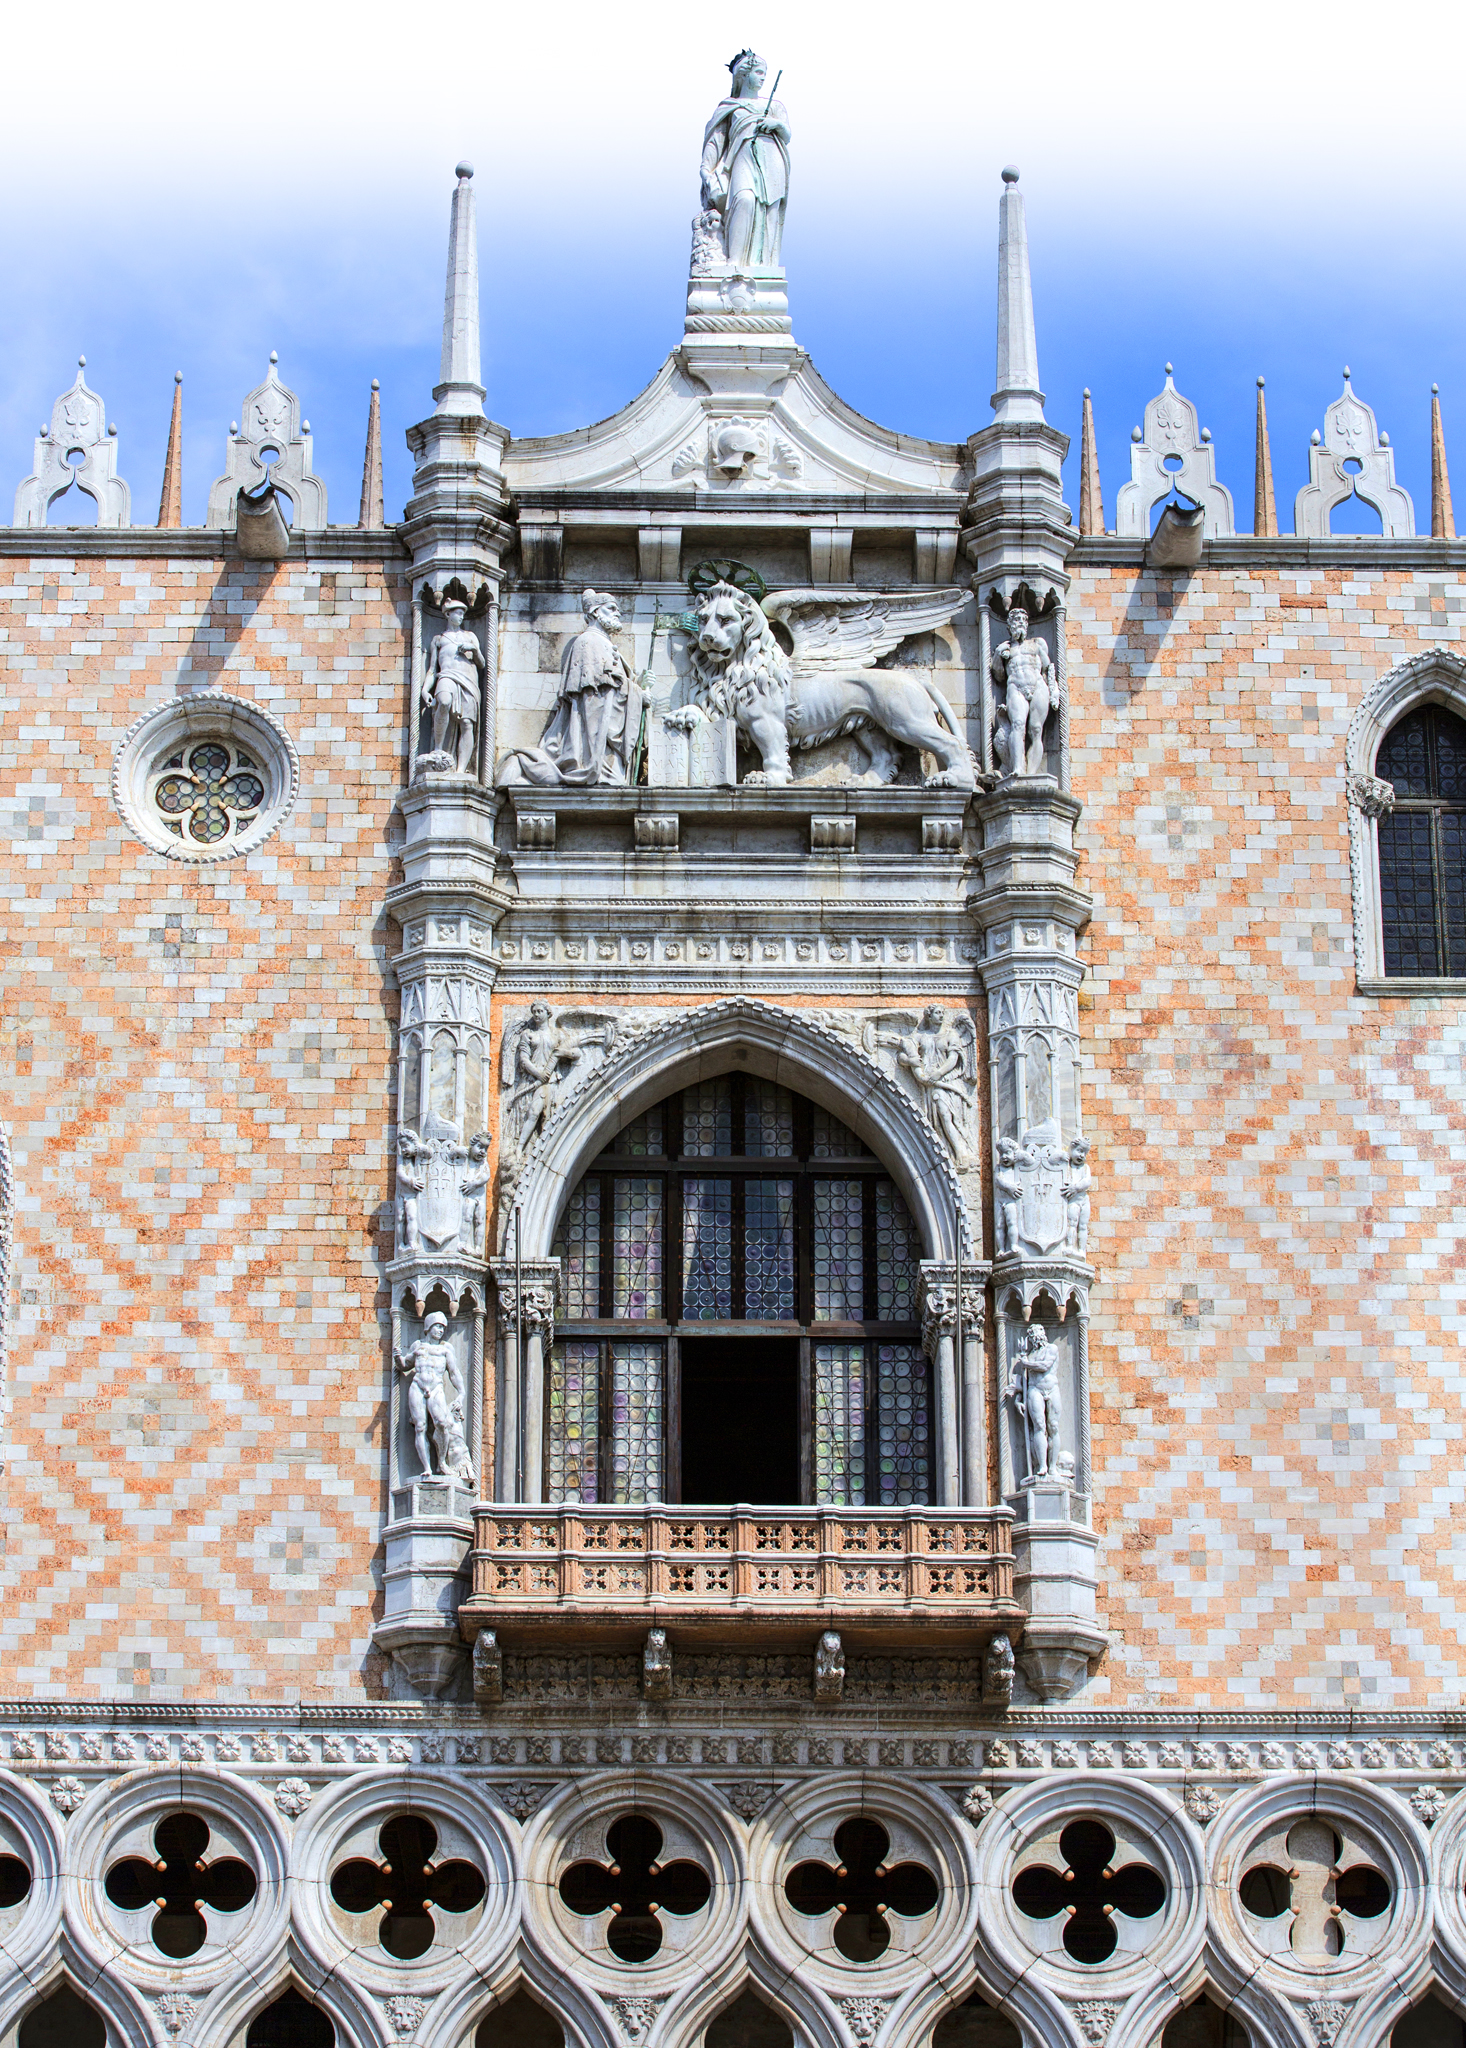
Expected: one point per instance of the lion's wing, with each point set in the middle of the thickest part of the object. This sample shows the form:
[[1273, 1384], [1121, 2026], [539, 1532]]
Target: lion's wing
[[855, 629]]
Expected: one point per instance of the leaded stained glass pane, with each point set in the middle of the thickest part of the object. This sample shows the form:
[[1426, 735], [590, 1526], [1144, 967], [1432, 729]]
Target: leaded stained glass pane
[[636, 1248], [903, 1428], [839, 1425], [707, 1249], [573, 1422], [1407, 893], [839, 1252], [1404, 755], [768, 1121], [642, 1137], [636, 1423], [830, 1139], [1453, 888], [768, 1249], [1450, 754], [578, 1245], [707, 1120], [897, 1257]]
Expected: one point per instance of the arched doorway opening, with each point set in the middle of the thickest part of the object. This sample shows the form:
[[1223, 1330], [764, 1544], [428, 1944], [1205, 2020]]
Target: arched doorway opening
[[739, 1314]]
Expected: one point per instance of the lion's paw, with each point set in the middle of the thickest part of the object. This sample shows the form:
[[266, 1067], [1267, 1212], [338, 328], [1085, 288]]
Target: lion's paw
[[765, 778], [951, 778]]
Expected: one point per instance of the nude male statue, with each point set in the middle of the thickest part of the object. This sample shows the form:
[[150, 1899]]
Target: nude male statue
[[1033, 1387], [1022, 669], [435, 1396], [450, 688]]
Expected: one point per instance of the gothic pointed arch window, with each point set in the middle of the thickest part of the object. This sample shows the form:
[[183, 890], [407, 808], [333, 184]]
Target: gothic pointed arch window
[[739, 1317], [1422, 844]]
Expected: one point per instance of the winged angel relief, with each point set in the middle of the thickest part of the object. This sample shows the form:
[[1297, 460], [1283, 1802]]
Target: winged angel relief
[[827, 685]]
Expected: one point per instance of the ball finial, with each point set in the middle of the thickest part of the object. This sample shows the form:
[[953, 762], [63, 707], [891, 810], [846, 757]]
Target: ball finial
[[274, 355], [1260, 382], [178, 376], [81, 362], [375, 385], [1434, 389], [1086, 391], [1346, 373], [463, 170], [1010, 174], [1168, 369]]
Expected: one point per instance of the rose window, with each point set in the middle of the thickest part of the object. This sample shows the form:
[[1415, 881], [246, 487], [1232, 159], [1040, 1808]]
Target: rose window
[[408, 1885], [209, 792], [1089, 1891], [179, 1884], [1315, 1896], [861, 1890], [634, 1888]]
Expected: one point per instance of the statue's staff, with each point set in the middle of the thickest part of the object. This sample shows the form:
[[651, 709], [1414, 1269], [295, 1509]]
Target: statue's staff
[[778, 75], [643, 683]]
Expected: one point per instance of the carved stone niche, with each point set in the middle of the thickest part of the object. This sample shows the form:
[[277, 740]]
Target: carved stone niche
[[1021, 693], [434, 1450]]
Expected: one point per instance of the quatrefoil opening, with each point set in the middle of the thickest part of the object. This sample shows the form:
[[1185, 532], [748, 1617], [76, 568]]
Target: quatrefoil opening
[[1089, 1890], [179, 1884], [861, 1890], [1321, 1898], [408, 1885], [634, 1888]]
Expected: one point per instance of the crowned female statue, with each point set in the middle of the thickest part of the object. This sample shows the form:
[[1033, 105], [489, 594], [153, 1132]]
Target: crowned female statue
[[745, 167]]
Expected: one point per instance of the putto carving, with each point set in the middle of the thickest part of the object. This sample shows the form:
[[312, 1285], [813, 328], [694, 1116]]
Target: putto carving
[[935, 1056], [745, 169], [452, 692], [827, 686], [435, 1403], [1351, 435], [78, 427], [1041, 1192], [1033, 1388], [543, 1060], [440, 1189], [1024, 675], [270, 448], [595, 728]]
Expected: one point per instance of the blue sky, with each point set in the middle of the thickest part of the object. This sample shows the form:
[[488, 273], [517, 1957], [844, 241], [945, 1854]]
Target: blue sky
[[1275, 190]]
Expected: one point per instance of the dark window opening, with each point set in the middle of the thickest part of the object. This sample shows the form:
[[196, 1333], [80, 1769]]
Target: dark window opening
[[740, 1421], [291, 2022], [1422, 845], [738, 1255]]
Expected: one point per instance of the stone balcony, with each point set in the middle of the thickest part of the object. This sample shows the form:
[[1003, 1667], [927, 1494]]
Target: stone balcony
[[918, 1577]]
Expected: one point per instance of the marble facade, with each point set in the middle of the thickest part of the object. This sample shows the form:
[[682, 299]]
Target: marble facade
[[362, 897]]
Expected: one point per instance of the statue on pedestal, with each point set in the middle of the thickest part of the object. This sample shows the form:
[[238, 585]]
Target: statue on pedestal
[[451, 691], [1023, 672], [745, 168], [594, 729], [1033, 1388], [435, 1397]]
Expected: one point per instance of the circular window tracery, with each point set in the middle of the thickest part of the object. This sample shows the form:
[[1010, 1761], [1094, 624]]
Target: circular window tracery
[[634, 1888], [1090, 1890], [1319, 1897], [407, 1884], [209, 792], [861, 1889], [205, 777], [179, 1883]]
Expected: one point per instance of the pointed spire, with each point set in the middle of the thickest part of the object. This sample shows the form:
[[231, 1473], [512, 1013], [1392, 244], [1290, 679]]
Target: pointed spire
[[170, 505], [371, 468], [1264, 509], [1091, 499], [1442, 518], [1017, 397], [461, 389]]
